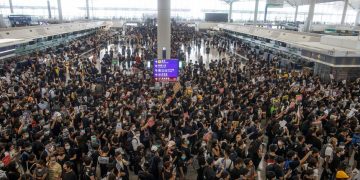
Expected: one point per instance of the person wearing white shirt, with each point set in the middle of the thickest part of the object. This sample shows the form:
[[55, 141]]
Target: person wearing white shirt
[[135, 142], [226, 162]]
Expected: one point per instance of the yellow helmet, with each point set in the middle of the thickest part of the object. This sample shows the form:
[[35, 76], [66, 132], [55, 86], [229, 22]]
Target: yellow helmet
[[341, 174]]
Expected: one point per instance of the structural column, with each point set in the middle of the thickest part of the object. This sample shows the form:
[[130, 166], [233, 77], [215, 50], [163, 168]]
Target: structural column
[[163, 29], [296, 13], [266, 11], [49, 8], [230, 11], [357, 18], [87, 10], [310, 16], [60, 10], [256, 11], [11, 7], [346, 3]]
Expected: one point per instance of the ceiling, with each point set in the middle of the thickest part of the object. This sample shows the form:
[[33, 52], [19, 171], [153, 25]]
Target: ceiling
[[306, 2], [355, 4], [229, 1]]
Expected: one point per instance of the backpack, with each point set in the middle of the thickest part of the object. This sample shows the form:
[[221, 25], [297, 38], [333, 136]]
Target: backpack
[[323, 149]]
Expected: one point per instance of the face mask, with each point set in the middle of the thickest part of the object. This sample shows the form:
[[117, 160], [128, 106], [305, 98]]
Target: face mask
[[127, 113], [203, 144], [183, 157], [67, 147]]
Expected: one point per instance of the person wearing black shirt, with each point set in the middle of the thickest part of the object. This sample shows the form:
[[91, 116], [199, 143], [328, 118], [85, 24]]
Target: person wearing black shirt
[[300, 146], [314, 140], [202, 162], [68, 174], [238, 170], [12, 173], [88, 171], [154, 163], [168, 172], [209, 172], [277, 167], [336, 161]]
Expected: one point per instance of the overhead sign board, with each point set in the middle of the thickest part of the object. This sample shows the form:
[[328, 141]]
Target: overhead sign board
[[275, 3], [166, 70]]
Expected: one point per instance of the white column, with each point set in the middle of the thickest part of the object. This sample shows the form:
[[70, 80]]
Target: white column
[[256, 11], [230, 11], [296, 12], [357, 18], [11, 7], [310, 16], [60, 10], [87, 10], [49, 8], [346, 2], [163, 28]]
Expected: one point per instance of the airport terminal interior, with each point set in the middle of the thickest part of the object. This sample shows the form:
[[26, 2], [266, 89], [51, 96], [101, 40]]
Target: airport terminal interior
[[179, 90]]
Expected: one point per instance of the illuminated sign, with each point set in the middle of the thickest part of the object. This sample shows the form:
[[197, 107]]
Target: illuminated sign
[[166, 69]]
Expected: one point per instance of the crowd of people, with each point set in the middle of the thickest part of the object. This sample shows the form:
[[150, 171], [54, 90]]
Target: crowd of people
[[63, 117]]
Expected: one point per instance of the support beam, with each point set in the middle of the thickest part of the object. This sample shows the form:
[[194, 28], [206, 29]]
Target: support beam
[[87, 10], [11, 7], [163, 29], [256, 11], [296, 13], [346, 3], [310, 16], [49, 8], [60, 10], [357, 18], [230, 11], [266, 11]]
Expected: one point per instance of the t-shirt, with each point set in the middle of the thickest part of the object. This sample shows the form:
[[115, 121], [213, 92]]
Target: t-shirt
[[209, 173], [88, 172], [40, 172], [69, 176], [55, 171], [279, 172], [228, 164], [236, 173], [335, 163], [329, 152]]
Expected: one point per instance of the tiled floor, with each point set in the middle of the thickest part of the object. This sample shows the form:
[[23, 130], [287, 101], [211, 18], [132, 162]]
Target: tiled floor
[[194, 56]]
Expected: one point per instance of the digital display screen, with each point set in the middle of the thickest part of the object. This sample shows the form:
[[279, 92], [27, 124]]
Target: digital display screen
[[166, 69], [216, 17]]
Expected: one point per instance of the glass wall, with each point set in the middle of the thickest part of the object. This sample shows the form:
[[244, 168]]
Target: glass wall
[[188, 9]]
